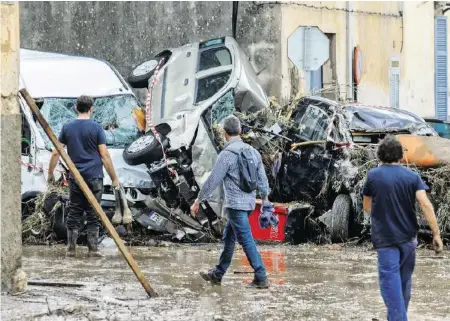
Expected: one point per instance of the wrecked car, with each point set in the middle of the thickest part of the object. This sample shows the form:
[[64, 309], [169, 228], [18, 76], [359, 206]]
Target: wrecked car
[[55, 81], [333, 148], [193, 88]]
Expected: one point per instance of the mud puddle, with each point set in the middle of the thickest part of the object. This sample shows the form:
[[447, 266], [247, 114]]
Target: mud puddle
[[307, 283]]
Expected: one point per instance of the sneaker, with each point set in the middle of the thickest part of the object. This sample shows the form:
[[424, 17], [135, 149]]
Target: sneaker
[[256, 284], [209, 277]]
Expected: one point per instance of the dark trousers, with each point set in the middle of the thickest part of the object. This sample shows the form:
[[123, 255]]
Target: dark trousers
[[395, 269], [238, 228], [79, 205]]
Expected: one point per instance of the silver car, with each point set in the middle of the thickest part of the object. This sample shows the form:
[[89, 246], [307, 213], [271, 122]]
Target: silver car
[[193, 88]]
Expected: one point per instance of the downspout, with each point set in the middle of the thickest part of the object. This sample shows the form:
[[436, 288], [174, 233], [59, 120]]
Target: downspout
[[234, 18], [349, 41]]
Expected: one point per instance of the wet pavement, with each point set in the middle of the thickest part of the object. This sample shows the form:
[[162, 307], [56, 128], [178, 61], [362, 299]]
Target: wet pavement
[[307, 283]]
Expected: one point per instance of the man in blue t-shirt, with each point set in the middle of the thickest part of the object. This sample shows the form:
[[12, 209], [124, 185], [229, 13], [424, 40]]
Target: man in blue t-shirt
[[86, 146], [390, 195]]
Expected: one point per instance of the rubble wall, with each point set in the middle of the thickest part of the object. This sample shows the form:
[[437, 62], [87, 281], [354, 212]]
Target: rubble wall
[[11, 237], [127, 33]]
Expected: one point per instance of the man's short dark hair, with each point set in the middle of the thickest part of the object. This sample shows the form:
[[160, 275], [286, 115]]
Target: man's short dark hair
[[390, 150], [232, 125], [84, 103]]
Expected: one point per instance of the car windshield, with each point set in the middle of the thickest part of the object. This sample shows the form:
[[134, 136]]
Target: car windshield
[[383, 119], [113, 113]]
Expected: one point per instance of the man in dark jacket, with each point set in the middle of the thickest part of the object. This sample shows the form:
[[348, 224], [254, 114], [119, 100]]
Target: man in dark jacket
[[86, 146], [390, 195]]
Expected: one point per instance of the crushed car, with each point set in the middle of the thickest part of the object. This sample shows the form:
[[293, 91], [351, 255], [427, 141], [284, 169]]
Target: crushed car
[[333, 146], [192, 88], [55, 81]]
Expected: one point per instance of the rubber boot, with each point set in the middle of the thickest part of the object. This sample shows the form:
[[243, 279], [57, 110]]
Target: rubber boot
[[117, 218], [127, 217], [92, 241], [72, 236]]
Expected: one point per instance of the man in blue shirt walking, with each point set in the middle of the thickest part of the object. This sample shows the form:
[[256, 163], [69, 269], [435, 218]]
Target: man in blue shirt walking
[[238, 205], [86, 146], [390, 194]]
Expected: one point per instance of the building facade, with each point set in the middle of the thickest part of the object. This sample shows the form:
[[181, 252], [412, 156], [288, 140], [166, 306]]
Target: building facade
[[403, 46]]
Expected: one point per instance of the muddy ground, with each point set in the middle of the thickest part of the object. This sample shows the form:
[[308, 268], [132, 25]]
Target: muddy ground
[[307, 283]]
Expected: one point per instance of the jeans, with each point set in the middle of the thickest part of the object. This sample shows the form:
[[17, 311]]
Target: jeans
[[238, 228], [395, 269], [78, 205]]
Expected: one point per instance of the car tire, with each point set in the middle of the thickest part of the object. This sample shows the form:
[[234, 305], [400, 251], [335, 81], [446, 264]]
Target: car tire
[[340, 215], [140, 75], [298, 228], [145, 149]]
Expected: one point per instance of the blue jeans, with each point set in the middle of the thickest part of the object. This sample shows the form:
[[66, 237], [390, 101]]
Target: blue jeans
[[238, 227], [395, 269]]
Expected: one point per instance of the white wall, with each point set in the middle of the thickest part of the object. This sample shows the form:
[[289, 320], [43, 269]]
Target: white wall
[[417, 59]]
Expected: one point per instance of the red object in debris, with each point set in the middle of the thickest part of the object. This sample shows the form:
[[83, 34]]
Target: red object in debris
[[269, 234]]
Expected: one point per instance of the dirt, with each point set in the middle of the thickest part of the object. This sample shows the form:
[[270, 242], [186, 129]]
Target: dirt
[[307, 283]]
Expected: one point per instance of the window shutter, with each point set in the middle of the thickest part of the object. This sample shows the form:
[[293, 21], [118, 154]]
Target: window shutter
[[394, 80], [440, 67]]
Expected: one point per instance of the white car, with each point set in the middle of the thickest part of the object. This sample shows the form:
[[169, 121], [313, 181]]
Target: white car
[[55, 81]]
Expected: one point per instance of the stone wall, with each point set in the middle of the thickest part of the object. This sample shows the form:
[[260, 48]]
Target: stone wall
[[127, 33]]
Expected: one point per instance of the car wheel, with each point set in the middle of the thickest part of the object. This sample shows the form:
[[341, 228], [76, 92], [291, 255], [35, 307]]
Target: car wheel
[[299, 228], [145, 149], [340, 218], [141, 74]]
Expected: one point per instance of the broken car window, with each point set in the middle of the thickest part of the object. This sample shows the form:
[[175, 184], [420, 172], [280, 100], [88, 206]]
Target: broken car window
[[114, 113], [314, 124], [210, 85], [214, 115], [213, 58]]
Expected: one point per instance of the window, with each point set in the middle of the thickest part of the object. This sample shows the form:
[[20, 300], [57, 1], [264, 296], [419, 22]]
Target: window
[[394, 79], [213, 116], [314, 124], [210, 85], [213, 58]]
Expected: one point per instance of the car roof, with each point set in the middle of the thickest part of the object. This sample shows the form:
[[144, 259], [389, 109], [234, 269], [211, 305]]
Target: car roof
[[391, 109], [47, 74]]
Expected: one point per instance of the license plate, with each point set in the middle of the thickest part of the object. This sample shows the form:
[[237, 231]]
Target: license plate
[[157, 219]]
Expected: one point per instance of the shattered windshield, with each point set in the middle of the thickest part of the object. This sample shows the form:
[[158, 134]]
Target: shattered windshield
[[383, 119], [314, 124], [114, 113]]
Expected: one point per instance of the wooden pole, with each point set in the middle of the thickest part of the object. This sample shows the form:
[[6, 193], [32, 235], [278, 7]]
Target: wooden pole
[[87, 192]]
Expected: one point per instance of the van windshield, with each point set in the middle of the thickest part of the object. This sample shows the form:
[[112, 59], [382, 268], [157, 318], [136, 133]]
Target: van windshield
[[114, 113]]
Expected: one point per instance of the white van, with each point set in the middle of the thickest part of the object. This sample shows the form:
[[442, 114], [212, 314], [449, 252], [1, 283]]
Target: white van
[[55, 81]]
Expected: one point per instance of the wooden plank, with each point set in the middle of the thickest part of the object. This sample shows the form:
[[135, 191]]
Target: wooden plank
[[87, 192]]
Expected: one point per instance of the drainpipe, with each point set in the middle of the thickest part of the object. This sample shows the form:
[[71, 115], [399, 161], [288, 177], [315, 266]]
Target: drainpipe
[[349, 40], [234, 18]]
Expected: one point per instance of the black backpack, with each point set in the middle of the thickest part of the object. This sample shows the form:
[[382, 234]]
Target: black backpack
[[248, 169]]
